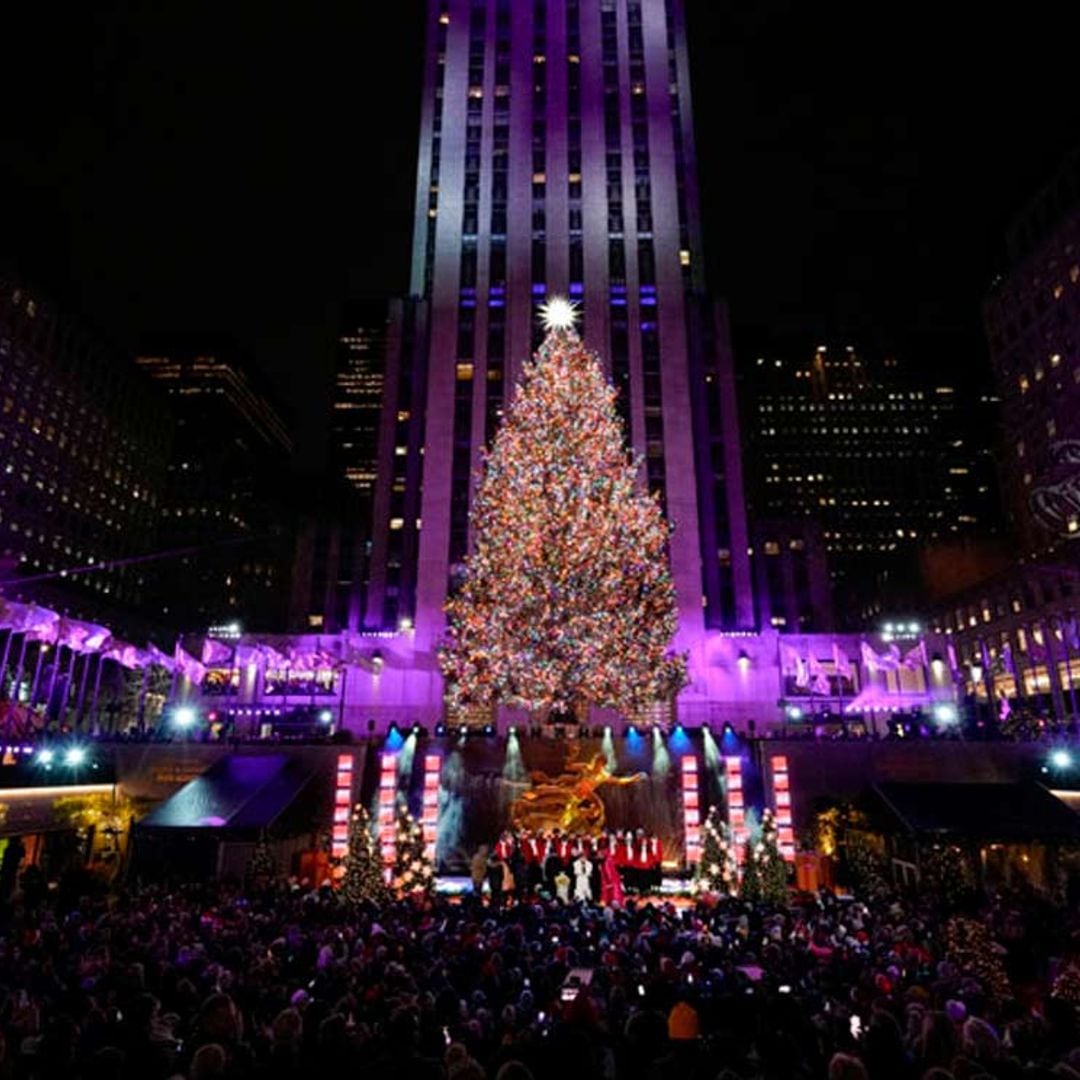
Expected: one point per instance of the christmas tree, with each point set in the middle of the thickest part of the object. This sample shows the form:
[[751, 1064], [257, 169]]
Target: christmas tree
[[771, 865], [567, 599], [413, 872], [969, 945], [764, 870], [717, 872], [750, 885], [363, 867], [262, 867]]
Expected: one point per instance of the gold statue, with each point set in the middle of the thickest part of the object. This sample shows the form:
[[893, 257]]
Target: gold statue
[[568, 802]]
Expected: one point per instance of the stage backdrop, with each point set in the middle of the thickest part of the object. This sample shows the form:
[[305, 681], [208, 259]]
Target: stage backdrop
[[481, 778]]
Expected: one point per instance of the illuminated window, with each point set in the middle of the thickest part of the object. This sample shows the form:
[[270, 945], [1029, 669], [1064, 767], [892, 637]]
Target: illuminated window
[[397, 523], [464, 371], [684, 257], [315, 621]]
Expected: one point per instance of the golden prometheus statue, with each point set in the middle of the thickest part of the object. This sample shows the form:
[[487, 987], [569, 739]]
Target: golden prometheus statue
[[568, 802]]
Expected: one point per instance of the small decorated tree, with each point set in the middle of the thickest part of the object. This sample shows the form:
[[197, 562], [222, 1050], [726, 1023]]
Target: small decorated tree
[[969, 945], [772, 869], [363, 880], [750, 885], [262, 867], [413, 870], [717, 872]]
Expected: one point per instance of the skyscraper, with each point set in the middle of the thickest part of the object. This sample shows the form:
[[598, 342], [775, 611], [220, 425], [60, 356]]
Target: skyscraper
[[357, 404], [879, 457], [227, 490], [84, 445], [557, 157]]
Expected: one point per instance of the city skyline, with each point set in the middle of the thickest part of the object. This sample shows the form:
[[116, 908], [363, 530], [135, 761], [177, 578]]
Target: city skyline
[[897, 206]]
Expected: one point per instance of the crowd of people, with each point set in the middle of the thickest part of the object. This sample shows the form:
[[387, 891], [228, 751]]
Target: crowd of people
[[210, 983], [568, 866]]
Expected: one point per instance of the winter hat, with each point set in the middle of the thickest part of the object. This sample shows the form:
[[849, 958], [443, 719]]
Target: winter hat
[[683, 1022]]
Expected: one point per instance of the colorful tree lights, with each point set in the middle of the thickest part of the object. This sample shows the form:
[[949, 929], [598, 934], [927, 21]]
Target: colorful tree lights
[[363, 866], [567, 600]]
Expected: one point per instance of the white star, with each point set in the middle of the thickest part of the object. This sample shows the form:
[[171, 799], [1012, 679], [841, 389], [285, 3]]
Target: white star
[[558, 313]]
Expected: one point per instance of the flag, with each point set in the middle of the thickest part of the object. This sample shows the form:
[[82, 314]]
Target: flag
[[155, 656], [124, 654], [40, 624], [245, 655], [841, 663], [915, 658], [790, 661], [819, 679], [188, 666], [274, 660], [950, 651], [892, 661], [215, 653], [869, 658], [1005, 709]]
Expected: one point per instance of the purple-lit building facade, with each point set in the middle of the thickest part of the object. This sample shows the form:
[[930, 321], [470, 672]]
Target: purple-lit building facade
[[557, 157]]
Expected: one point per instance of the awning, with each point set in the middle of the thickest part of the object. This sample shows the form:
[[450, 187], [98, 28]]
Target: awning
[[238, 792]]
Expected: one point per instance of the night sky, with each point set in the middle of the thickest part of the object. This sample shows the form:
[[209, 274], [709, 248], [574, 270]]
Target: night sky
[[241, 168]]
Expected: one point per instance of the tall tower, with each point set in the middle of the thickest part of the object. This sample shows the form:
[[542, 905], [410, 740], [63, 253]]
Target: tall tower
[[557, 156]]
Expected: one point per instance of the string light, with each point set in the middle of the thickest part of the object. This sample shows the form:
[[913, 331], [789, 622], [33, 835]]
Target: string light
[[567, 597]]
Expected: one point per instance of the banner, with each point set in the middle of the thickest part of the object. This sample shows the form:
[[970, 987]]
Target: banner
[[188, 666], [841, 662], [216, 653]]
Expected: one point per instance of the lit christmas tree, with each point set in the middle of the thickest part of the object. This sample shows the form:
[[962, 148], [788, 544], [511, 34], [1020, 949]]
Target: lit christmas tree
[[363, 880], [567, 599], [718, 871], [413, 872], [772, 869]]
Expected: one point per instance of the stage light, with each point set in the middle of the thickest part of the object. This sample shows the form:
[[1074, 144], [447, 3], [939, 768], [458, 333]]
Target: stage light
[[463, 731], [44, 757], [1061, 759], [945, 713], [794, 712], [325, 716], [489, 729], [74, 756], [743, 660], [184, 716], [440, 728], [377, 661], [416, 729]]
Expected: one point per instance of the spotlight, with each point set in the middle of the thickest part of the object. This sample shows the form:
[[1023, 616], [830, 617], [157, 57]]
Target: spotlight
[[74, 756], [325, 716], [440, 728], [489, 729], [184, 716], [945, 713], [463, 731], [1061, 759], [416, 729], [743, 660], [45, 757], [794, 712]]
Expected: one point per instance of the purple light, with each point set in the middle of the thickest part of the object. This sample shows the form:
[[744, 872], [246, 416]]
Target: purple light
[[539, 290]]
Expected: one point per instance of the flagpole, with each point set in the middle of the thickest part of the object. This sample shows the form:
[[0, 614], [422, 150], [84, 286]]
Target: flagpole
[[7, 653], [95, 726], [1066, 633], [82, 690]]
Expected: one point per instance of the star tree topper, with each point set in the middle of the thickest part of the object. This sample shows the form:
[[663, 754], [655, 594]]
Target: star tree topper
[[558, 314]]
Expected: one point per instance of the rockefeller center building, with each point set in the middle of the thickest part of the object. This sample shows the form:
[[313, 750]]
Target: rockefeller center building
[[557, 157]]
